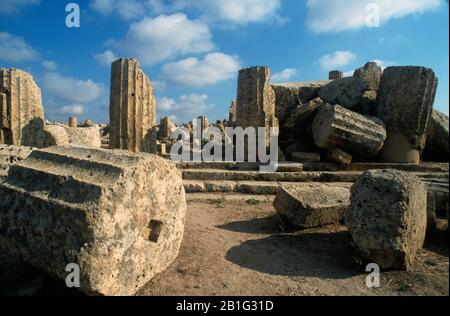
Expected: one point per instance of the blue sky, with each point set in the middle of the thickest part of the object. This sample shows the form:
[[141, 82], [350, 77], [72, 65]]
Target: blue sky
[[192, 49]]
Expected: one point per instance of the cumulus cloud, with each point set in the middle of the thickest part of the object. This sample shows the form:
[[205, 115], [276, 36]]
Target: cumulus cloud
[[75, 109], [14, 6], [152, 40], [106, 58], [68, 90], [188, 107], [215, 67], [15, 49], [49, 65], [337, 60], [285, 75], [239, 12], [342, 15]]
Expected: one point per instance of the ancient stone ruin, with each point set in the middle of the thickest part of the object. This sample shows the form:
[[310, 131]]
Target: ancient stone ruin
[[118, 215], [132, 108], [22, 113]]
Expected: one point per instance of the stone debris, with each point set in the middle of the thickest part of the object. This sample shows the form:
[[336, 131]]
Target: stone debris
[[305, 157], [255, 103], [88, 123], [9, 155], [73, 122], [233, 113], [132, 108], [405, 104], [337, 127], [388, 218], [301, 119], [437, 146], [307, 206], [22, 113], [118, 215], [339, 156]]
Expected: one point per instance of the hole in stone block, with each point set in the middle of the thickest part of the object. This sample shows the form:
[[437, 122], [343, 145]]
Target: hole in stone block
[[153, 230]]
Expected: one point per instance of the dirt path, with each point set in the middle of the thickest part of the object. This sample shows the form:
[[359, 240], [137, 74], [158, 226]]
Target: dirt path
[[236, 248]]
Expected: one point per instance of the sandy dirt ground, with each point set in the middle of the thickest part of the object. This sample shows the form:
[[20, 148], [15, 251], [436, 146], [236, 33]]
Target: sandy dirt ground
[[238, 248]]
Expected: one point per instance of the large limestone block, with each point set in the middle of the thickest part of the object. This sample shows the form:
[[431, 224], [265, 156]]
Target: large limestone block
[[405, 104], [118, 215], [370, 74], [288, 96], [84, 136], [437, 146], [165, 128], [312, 205], [55, 135], [256, 100], [301, 119], [132, 108], [9, 155], [337, 127], [388, 218], [22, 114]]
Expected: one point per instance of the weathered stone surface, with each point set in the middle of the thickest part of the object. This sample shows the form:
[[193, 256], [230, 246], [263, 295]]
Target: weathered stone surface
[[335, 74], [301, 119], [118, 215], [388, 218], [437, 145], [22, 114], [132, 108], [165, 128], [55, 135], [9, 155], [84, 136], [370, 74], [73, 121], [314, 205], [347, 92], [305, 157], [337, 127], [288, 96], [256, 100], [339, 156], [405, 104]]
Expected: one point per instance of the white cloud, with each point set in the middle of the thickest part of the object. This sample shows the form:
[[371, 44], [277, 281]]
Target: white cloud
[[239, 12], [75, 109], [188, 107], [215, 67], [106, 58], [70, 90], [15, 49], [337, 60], [153, 40], [14, 6], [342, 15], [284, 75], [49, 65]]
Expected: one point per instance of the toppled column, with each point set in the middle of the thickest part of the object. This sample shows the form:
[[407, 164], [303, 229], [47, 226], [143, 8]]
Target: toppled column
[[256, 100], [405, 104], [337, 127], [437, 146], [388, 218], [118, 215], [132, 108], [9, 155], [335, 74], [22, 114]]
